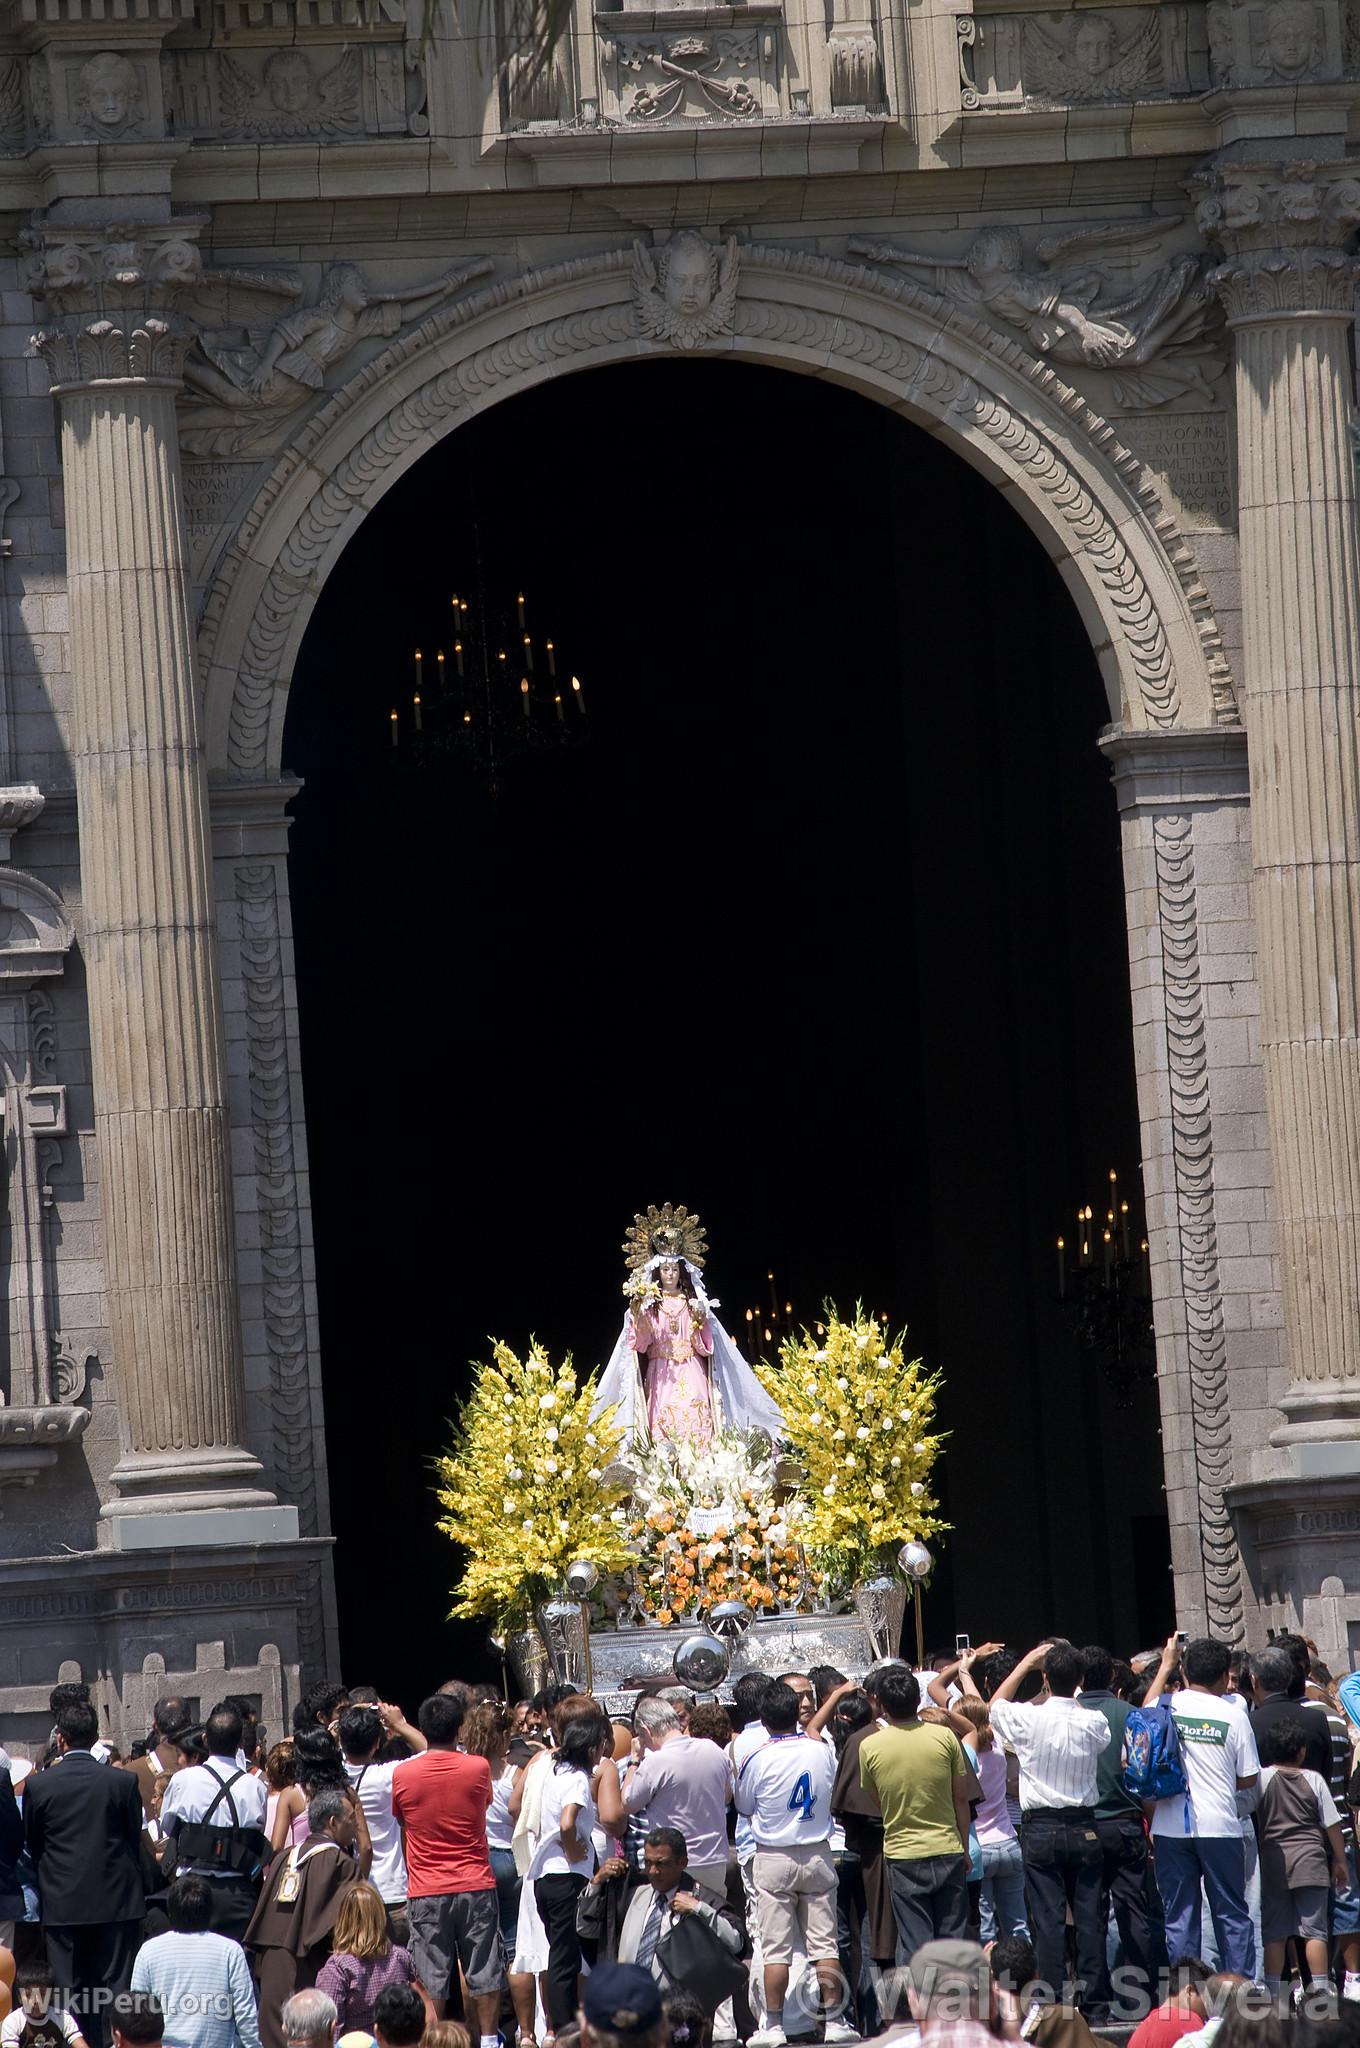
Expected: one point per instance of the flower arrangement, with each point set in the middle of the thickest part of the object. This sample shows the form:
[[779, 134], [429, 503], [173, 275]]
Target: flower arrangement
[[523, 1485], [708, 1527], [858, 1414]]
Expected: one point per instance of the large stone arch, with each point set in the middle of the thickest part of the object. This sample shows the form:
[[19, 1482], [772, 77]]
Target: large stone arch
[[1062, 467]]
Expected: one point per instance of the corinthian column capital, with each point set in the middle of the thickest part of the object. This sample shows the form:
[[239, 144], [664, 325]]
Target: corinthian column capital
[[1285, 227], [112, 297]]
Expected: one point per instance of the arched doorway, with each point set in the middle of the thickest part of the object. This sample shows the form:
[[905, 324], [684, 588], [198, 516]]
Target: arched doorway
[[800, 937]]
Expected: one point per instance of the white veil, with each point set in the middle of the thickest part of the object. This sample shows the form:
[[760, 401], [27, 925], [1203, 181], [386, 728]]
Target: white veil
[[744, 1402]]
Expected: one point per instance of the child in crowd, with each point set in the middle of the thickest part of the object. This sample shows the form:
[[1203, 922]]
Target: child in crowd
[[35, 2021], [363, 1961], [1299, 1825]]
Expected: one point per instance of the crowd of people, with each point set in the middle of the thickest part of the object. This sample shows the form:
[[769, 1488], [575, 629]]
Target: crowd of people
[[1023, 1847]]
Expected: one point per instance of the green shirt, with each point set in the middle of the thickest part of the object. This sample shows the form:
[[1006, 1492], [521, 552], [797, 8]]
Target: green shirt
[[912, 1767]]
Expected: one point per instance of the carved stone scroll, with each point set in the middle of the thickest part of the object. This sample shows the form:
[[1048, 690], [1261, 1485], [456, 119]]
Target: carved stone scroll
[[1197, 1237]]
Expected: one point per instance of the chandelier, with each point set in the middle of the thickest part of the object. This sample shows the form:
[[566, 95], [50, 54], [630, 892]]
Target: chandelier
[[780, 1320], [493, 694], [1105, 1285]]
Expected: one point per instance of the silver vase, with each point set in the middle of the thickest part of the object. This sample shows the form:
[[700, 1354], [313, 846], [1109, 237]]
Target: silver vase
[[565, 1628], [882, 1605], [528, 1660]]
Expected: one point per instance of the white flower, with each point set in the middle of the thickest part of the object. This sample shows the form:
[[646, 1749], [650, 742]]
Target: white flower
[[895, 1463], [842, 1383], [851, 1461], [839, 1437], [550, 1464], [916, 1489], [595, 1521], [527, 1523], [877, 1490], [590, 1438], [547, 1400], [593, 1473], [861, 1433], [886, 1424], [885, 1361], [564, 1528], [810, 1386], [819, 1357], [862, 1341], [509, 1400], [828, 1490], [814, 1420], [517, 1473], [551, 1435], [904, 1414], [508, 1504], [616, 1515]]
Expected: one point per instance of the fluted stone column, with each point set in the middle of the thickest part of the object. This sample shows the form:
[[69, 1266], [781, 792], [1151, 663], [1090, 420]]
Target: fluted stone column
[[1288, 284], [114, 348]]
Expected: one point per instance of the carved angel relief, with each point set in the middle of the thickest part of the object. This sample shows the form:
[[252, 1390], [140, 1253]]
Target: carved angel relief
[[291, 100], [1283, 42], [1083, 57], [687, 293], [1159, 338], [255, 362]]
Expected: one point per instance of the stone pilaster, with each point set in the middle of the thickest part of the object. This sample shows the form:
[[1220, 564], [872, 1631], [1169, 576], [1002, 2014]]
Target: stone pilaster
[[1288, 283], [114, 347]]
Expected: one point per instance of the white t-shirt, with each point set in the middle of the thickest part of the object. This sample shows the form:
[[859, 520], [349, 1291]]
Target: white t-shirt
[[561, 1789], [786, 1789], [12, 2027], [373, 1783], [745, 1743], [191, 1792], [1217, 1748], [500, 1829]]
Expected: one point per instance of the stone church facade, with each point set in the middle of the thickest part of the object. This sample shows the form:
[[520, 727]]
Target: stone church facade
[[261, 255]]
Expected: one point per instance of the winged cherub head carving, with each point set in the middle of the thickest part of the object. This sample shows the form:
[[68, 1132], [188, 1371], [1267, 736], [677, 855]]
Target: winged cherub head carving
[[109, 95], [687, 295]]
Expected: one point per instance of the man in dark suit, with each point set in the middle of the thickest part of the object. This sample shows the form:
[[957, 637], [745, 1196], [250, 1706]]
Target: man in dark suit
[[83, 1828]]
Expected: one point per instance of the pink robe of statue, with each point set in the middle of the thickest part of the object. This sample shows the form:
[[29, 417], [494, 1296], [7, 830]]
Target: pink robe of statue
[[676, 1383]]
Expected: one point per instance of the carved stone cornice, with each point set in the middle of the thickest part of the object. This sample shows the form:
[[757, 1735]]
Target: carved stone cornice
[[112, 293], [1284, 227]]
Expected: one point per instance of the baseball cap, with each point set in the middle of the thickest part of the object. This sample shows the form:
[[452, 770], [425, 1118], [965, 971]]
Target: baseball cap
[[623, 1999], [936, 1962]]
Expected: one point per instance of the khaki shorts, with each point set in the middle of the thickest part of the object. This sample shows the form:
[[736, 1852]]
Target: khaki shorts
[[796, 1902]]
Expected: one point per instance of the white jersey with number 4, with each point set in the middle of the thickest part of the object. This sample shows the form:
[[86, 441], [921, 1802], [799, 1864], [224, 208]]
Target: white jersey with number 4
[[785, 1787]]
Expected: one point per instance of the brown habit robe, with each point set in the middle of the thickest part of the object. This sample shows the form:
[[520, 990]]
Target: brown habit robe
[[289, 1944], [857, 1808]]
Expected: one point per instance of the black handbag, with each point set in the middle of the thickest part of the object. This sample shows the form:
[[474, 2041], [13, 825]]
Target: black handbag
[[692, 1956]]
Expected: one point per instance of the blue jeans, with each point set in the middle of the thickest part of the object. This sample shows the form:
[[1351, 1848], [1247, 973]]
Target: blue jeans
[[1002, 1907], [1219, 1863], [507, 1894]]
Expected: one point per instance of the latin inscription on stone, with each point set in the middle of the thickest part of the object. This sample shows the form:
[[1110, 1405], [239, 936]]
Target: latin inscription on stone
[[1191, 454], [211, 489]]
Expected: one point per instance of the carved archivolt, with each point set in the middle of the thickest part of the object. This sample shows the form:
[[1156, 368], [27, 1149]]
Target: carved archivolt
[[1192, 1151], [1129, 570], [271, 1129]]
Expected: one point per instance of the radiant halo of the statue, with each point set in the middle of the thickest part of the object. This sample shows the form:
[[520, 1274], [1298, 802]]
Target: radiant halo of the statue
[[600, 1519]]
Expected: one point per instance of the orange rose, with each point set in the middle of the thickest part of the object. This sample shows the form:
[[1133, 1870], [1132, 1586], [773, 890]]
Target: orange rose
[[664, 1616]]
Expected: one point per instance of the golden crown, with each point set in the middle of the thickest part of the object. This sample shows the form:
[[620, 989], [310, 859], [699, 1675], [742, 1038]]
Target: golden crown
[[664, 1233]]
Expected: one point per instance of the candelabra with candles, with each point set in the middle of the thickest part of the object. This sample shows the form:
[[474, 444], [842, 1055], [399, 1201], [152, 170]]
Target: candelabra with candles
[[1105, 1284], [493, 693], [771, 1325]]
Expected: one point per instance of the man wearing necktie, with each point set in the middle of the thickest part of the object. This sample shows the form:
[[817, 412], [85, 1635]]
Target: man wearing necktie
[[669, 1892]]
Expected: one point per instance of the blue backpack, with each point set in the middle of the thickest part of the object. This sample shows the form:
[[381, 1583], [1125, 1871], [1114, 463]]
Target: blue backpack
[[1152, 1753]]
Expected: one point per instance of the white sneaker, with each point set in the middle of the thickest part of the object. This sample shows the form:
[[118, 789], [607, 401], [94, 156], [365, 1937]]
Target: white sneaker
[[1351, 1987], [839, 2030], [768, 2037]]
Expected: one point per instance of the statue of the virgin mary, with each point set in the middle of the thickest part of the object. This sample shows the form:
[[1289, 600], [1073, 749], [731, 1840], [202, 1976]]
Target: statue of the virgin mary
[[675, 1375]]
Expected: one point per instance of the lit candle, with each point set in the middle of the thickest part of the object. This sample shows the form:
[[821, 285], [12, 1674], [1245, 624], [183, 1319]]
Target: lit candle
[[774, 1298], [580, 695], [1109, 1252], [462, 610], [528, 652], [415, 706], [467, 718], [561, 714], [458, 655], [519, 607], [524, 693], [1124, 1228], [440, 671], [1062, 1269], [454, 602], [393, 718], [420, 672], [552, 660], [500, 657], [1147, 1266]]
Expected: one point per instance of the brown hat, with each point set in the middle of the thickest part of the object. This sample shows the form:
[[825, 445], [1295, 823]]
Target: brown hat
[[937, 1964]]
